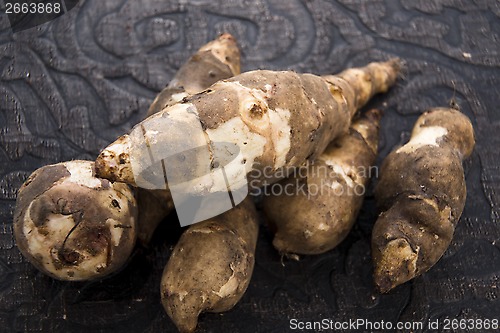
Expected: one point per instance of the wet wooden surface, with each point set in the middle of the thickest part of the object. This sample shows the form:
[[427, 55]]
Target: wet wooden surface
[[71, 86]]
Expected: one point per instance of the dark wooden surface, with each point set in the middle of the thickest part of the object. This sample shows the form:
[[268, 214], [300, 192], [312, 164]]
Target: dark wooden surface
[[71, 86]]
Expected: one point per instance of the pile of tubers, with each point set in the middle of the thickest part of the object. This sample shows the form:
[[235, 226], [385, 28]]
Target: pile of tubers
[[80, 220]]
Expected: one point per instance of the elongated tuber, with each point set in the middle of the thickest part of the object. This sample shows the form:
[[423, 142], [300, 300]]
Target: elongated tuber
[[278, 120], [211, 266], [74, 226], [314, 210], [216, 60], [421, 193]]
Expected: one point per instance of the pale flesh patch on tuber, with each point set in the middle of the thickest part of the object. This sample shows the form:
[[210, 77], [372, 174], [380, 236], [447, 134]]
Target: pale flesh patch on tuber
[[218, 59], [311, 111]]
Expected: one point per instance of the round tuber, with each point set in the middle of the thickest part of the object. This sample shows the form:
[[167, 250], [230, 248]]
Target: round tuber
[[73, 226]]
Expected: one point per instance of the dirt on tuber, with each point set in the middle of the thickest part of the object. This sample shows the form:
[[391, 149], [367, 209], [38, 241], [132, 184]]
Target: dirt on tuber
[[214, 61], [278, 120], [318, 218], [421, 193], [73, 226], [211, 266], [218, 59]]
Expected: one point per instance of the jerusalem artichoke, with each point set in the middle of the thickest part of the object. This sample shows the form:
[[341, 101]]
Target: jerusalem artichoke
[[278, 120], [313, 211], [214, 61], [74, 226], [211, 266], [421, 193]]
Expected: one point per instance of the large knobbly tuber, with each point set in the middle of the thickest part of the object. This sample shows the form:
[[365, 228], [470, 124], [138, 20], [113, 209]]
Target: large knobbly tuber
[[278, 120], [314, 210], [421, 193], [211, 266], [74, 226], [218, 59]]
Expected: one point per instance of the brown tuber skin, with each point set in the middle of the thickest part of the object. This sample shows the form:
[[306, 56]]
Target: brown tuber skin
[[214, 61], [218, 59], [421, 193], [211, 266], [317, 219], [73, 226], [234, 232], [279, 120], [87, 254]]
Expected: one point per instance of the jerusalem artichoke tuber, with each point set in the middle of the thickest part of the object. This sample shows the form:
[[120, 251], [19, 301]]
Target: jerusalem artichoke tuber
[[278, 120], [211, 266], [313, 211], [421, 193], [214, 61], [74, 226]]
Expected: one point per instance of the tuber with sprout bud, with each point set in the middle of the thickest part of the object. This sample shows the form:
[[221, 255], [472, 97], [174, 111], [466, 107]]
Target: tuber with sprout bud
[[421, 193], [73, 226], [318, 218], [278, 120], [211, 266]]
